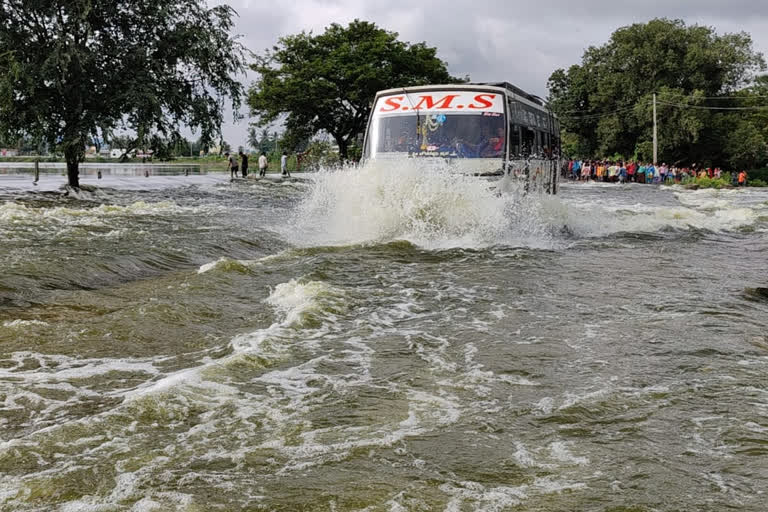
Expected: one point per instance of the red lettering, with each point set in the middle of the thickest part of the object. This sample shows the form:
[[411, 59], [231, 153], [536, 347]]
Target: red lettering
[[391, 104], [484, 100], [444, 102]]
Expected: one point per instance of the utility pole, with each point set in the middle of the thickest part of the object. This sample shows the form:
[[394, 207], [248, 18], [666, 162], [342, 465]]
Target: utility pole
[[655, 137]]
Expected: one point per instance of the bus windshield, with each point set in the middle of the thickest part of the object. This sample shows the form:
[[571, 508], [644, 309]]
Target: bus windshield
[[438, 134]]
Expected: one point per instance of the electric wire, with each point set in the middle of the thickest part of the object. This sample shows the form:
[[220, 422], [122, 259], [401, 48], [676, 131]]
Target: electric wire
[[659, 102], [601, 114], [706, 107]]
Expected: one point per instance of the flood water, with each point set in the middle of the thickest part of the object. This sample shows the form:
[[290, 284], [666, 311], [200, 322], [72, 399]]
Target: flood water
[[389, 338]]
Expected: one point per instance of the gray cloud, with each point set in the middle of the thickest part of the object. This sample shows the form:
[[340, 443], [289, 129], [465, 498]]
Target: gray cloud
[[518, 41]]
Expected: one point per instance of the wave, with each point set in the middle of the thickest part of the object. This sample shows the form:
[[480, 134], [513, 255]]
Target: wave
[[307, 303], [11, 212]]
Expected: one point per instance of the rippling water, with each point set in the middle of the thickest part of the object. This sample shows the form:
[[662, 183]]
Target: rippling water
[[382, 339]]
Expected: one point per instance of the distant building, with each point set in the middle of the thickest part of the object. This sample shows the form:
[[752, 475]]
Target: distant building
[[9, 152], [117, 153]]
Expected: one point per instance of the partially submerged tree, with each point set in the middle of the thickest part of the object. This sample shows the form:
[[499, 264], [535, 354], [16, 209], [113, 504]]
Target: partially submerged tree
[[327, 82], [76, 69]]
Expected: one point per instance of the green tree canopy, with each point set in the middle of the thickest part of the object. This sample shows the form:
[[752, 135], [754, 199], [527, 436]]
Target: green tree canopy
[[327, 82], [605, 101], [71, 70]]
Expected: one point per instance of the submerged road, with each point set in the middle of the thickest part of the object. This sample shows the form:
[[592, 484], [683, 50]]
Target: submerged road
[[381, 339]]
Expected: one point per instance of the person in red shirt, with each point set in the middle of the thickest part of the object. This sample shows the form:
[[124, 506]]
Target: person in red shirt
[[743, 179], [631, 171]]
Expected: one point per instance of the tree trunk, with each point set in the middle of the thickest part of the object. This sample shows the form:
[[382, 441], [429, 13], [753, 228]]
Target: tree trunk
[[343, 148], [74, 151], [73, 173]]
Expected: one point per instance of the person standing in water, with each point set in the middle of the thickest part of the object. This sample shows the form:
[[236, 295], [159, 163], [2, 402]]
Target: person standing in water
[[244, 164], [284, 165], [263, 164], [232, 164]]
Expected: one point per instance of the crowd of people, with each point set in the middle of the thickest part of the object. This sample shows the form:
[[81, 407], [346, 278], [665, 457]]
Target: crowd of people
[[623, 172], [242, 167]]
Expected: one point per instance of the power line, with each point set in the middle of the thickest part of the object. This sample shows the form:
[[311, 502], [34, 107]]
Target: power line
[[603, 114], [600, 115], [625, 109], [704, 107], [590, 110], [728, 97]]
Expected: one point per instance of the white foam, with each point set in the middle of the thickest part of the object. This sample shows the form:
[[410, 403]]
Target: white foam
[[561, 452], [546, 405], [58, 368], [294, 299], [210, 266], [498, 498], [20, 324]]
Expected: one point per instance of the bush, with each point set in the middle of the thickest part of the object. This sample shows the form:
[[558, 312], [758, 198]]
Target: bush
[[757, 183], [758, 174], [723, 182]]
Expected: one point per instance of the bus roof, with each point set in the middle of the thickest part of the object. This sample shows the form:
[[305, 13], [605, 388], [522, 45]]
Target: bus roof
[[514, 89]]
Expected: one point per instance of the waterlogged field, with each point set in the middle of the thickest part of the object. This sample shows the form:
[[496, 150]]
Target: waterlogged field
[[388, 338]]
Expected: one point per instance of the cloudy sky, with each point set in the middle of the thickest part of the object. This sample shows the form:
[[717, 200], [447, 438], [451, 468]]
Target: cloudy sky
[[492, 40]]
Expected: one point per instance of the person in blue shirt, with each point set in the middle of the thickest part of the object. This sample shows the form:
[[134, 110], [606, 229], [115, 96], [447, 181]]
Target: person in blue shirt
[[622, 173], [650, 172], [576, 169]]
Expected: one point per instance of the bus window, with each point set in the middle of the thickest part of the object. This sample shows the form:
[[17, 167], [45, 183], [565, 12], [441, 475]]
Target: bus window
[[512, 111], [514, 140], [528, 141], [531, 117]]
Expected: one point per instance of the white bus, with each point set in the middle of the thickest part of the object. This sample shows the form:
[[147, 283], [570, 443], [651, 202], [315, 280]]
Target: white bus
[[485, 129]]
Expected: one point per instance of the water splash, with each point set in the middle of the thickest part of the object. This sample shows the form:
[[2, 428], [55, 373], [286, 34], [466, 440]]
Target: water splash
[[427, 204], [431, 205]]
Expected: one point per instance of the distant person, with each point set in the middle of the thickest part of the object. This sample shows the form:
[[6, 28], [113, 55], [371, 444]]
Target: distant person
[[640, 174], [263, 164], [743, 179], [284, 165], [232, 164], [244, 164], [650, 172], [622, 174], [586, 171]]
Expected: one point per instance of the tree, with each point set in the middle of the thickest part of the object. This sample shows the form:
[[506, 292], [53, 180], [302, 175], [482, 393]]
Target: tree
[[266, 143], [294, 141], [253, 137], [76, 69], [327, 82], [746, 146], [606, 100]]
